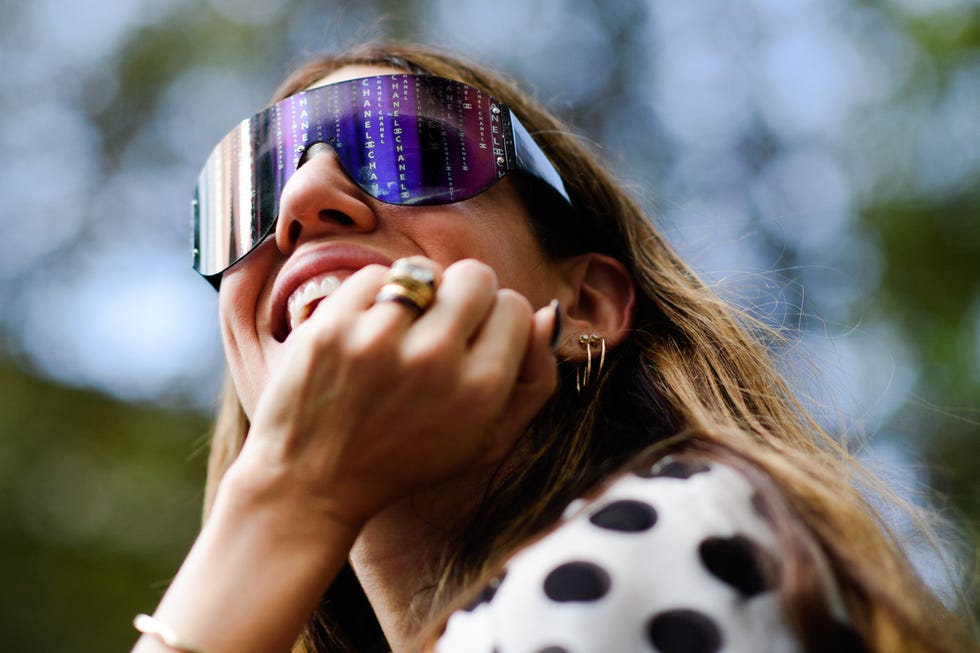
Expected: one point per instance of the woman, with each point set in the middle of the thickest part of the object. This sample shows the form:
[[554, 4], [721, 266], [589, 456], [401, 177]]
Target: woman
[[428, 365]]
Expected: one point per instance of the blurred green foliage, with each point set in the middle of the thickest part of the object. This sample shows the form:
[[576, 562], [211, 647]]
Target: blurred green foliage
[[930, 289], [100, 502]]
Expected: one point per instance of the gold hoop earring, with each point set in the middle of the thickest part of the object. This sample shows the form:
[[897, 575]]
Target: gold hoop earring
[[584, 377]]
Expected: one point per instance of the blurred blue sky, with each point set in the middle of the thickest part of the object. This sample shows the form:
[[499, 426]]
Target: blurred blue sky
[[99, 238], [753, 130]]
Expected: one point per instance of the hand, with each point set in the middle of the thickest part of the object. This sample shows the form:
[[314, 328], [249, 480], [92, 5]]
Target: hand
[[370, 403]]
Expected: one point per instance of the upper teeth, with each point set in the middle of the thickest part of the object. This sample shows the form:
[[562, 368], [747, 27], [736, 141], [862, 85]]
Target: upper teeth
[[302, 301]]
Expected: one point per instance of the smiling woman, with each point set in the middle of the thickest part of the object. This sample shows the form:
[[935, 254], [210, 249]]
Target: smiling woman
[[478, 404]]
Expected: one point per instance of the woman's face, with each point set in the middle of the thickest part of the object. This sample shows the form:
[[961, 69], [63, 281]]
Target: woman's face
[[328, 229]]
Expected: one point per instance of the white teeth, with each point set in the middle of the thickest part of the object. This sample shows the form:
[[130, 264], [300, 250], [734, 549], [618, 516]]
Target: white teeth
[[304, 299]]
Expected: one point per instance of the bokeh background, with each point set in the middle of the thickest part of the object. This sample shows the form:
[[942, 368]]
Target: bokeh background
[[817, 160]]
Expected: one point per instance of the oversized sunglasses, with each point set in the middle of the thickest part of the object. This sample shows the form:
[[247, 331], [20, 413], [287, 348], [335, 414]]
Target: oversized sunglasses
[[404, 139]]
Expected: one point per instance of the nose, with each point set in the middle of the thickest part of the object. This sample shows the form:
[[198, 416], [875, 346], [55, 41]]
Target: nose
[[320, 200]]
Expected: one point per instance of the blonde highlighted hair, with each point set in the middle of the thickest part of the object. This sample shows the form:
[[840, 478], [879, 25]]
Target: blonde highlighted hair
[[692, 365]]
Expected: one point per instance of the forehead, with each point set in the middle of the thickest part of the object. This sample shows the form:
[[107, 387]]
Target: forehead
[[354, 72]]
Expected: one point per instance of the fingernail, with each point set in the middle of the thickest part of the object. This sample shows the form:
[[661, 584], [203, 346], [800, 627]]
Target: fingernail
[[556, 327]]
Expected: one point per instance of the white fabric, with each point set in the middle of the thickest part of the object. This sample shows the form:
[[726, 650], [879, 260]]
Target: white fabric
[[651, 571]]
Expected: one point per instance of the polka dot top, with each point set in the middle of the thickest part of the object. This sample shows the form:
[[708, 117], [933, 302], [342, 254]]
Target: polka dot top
[[675, 559]]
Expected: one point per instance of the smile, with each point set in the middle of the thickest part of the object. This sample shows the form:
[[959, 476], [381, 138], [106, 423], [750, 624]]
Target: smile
[[311, 275], [305, 299]]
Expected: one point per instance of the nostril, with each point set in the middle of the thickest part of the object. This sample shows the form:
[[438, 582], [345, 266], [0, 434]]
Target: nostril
[[294, 230], [333, 216], [338, 217]]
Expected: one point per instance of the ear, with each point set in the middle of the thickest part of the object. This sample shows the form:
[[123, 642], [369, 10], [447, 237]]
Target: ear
[[601, 297]]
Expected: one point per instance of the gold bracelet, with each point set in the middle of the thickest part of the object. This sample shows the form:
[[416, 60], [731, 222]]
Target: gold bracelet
[[155, 628]]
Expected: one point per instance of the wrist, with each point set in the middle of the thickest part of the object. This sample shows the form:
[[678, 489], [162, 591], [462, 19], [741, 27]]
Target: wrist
[[272, 502], [258, 568]]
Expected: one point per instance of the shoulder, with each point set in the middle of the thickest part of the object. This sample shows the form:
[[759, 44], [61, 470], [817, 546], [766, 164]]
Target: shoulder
[[674, 556]]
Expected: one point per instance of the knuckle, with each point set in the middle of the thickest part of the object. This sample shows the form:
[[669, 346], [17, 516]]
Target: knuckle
[[490, 372], [515, 301], [323, 334], [424, 262], [485, 382], [431, 356], [475, 270], [370, 346], [372, 270], [362, 349], [366, 343]]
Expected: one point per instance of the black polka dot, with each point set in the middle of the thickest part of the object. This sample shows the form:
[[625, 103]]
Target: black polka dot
[[553, 649], [739, 562], [486, 594], [828, 634], [577, 581], [671, 467], [625, 515], [684, 631], [846, 639]]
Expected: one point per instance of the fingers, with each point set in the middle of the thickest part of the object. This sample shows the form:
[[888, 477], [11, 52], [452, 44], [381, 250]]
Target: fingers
[[464, 300], [408, 291], [490, 340], [375, 401], [464, 296], [361, 294], [536, 381], [355, 294], [497, 350], [539, 362]]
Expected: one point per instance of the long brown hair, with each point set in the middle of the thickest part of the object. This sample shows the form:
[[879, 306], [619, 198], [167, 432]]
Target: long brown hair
[[691, 365]]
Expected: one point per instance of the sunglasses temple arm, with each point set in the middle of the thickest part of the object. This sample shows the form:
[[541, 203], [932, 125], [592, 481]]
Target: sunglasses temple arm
[[531, 159]]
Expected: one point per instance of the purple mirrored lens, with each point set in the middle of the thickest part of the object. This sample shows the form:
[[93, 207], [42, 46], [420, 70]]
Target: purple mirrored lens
[[404, 139]]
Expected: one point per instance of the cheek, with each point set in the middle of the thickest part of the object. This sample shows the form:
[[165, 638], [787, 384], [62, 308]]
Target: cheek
[[521, 264], [507, 242], [243, 347], [501, 238]]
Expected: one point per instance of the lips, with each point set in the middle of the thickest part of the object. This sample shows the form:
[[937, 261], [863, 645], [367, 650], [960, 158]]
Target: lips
[[310, 276]]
